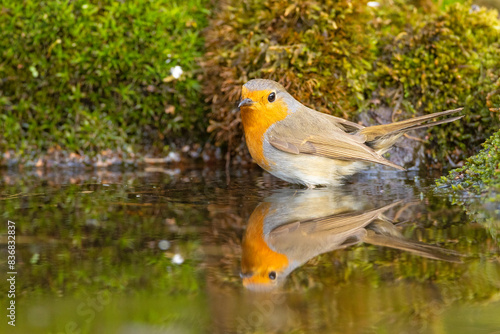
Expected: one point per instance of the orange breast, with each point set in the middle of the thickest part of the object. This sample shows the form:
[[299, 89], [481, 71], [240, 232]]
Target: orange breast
[[257, 119]]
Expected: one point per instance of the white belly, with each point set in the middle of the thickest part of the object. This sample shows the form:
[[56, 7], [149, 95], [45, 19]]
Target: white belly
[[306, 169]]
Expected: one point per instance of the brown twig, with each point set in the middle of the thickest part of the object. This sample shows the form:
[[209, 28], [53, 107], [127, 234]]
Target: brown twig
[[413, 138], [404, 208]]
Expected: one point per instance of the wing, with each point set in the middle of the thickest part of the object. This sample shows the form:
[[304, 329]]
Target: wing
[[309, 238], [311, 132], [347, 125], [335, 224]]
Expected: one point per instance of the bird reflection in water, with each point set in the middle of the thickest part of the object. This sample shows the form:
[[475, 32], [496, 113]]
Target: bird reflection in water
[[293, 226]]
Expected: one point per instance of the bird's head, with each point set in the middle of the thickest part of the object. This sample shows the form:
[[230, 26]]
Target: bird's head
[[262, 268], [263, 280], [261, 93], [264, 102]]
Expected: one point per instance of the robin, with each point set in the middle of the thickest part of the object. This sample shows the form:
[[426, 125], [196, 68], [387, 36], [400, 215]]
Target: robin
[[301, 145], [291, 227]]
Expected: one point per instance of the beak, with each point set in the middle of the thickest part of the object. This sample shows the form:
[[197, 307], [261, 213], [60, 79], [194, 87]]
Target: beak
[[245, 102], [246, 275]]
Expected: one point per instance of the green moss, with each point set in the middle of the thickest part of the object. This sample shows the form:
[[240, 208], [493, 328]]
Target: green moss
[[92, 76], [439, 61], [481, 173]]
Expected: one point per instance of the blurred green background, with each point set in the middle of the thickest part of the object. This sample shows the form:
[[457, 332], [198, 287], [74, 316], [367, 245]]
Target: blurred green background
[[86, 76]]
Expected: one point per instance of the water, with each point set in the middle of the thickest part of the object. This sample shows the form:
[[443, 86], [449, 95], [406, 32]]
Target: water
[[160, 251]]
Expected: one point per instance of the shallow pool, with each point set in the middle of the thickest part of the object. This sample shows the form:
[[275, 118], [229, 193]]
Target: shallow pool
[[198, 250]]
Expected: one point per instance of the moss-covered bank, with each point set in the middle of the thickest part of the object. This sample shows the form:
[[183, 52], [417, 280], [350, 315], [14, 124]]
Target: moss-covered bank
[[476, 186], [480, 174], [83, 77]]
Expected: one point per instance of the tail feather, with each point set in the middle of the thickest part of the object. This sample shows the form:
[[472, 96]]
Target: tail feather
[[372, 133], [421, 249], [423, 126]]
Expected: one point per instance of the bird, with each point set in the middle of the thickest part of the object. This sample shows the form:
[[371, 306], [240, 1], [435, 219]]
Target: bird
[[303, 146], [291, 227]]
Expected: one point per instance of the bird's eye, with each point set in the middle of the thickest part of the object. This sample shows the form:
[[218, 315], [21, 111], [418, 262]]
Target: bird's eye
[[271, 97], [272, 275]]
